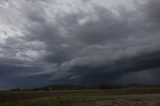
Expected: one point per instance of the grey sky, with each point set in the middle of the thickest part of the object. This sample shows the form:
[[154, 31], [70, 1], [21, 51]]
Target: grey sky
[[79, 41]]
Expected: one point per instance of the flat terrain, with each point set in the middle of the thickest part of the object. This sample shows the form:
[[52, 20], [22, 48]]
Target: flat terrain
[[117, 97]]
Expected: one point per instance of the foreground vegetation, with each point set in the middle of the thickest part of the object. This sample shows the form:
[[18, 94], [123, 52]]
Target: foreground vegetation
[[149, 96], [125, 100]]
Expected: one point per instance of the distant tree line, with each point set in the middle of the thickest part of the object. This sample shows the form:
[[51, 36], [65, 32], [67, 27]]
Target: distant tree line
[[70, 87], [82, 87]]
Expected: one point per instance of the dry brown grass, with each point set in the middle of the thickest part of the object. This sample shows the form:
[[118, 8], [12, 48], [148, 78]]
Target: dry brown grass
[[123, 100], [121, 97]]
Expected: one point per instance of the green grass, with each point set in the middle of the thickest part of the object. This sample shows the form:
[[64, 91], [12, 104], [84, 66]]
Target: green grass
[[47, 101], [117, 97]]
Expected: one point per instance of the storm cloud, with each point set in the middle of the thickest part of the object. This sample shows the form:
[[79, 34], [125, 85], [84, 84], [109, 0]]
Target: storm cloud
[[79, 41]]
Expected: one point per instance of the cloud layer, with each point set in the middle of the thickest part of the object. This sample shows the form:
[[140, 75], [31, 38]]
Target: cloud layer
[[80, 42]]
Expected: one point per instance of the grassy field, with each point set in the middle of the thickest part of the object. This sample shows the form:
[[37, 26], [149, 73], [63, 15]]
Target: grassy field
[[117, 97]]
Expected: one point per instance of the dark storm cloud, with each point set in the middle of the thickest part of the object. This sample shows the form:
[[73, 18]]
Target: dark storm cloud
[[14, 76], [107, 28], [64, 43], [152, 10], [114, 70]]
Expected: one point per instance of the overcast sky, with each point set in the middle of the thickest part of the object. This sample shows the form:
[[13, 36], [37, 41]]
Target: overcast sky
[[79, 42]]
